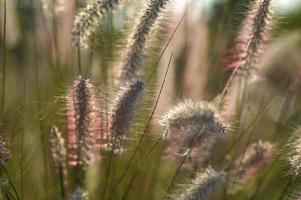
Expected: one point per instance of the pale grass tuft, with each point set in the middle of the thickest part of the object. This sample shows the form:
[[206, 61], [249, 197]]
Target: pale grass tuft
[[204, 185]]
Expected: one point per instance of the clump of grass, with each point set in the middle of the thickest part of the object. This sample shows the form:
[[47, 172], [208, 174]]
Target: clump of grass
[[87, 20], [203, 186], [123, 112], [132, 60]]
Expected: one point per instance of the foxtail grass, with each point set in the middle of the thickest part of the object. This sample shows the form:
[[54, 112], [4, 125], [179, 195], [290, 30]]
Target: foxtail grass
[[83, 131], [133, 58], [87, 20], [251, 40], [203, 186]]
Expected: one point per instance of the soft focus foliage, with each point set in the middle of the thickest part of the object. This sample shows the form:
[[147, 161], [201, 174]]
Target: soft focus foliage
[[169, 99]]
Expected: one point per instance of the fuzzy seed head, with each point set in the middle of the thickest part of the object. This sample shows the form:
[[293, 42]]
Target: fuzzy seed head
[[57, 147], [124, 110], [84, 136], [203, 185], [189, 115], [132, 60], [190, 125], [294, 154], [253, 35], [87, 20]]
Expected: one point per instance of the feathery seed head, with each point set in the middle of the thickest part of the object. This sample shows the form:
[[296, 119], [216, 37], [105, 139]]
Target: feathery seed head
[[124, 109], [294, 154], [83, 131], [87, 20], [132, 60], [252, 36], [203, 185], [191, 123], [57, 147], [189, 115]]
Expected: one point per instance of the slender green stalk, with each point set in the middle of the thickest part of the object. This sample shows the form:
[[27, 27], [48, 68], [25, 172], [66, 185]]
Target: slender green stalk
[[10, 181], [4, 58]]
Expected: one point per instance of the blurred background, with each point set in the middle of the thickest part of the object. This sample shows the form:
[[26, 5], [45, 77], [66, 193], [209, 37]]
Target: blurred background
[[38, 64]]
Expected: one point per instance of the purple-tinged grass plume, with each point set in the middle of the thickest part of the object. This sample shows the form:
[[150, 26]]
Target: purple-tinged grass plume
[[87, 20], [203, 186], [84, 137], [246, 166], [252, 36], [123, 112], [132, 60]]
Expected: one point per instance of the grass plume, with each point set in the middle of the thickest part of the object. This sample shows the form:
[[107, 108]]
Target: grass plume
[[203, 185], [83, 131], [87, 20], [132, 60], [123, 111]]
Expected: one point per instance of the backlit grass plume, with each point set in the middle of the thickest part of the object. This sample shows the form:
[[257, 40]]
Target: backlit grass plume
[[246, 167], [194, 115], [83, 123], [252, 36], [87, 20], [132, 60], [190, 123], [293, 156], [123, 111], [58, 154], [203, 186]]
